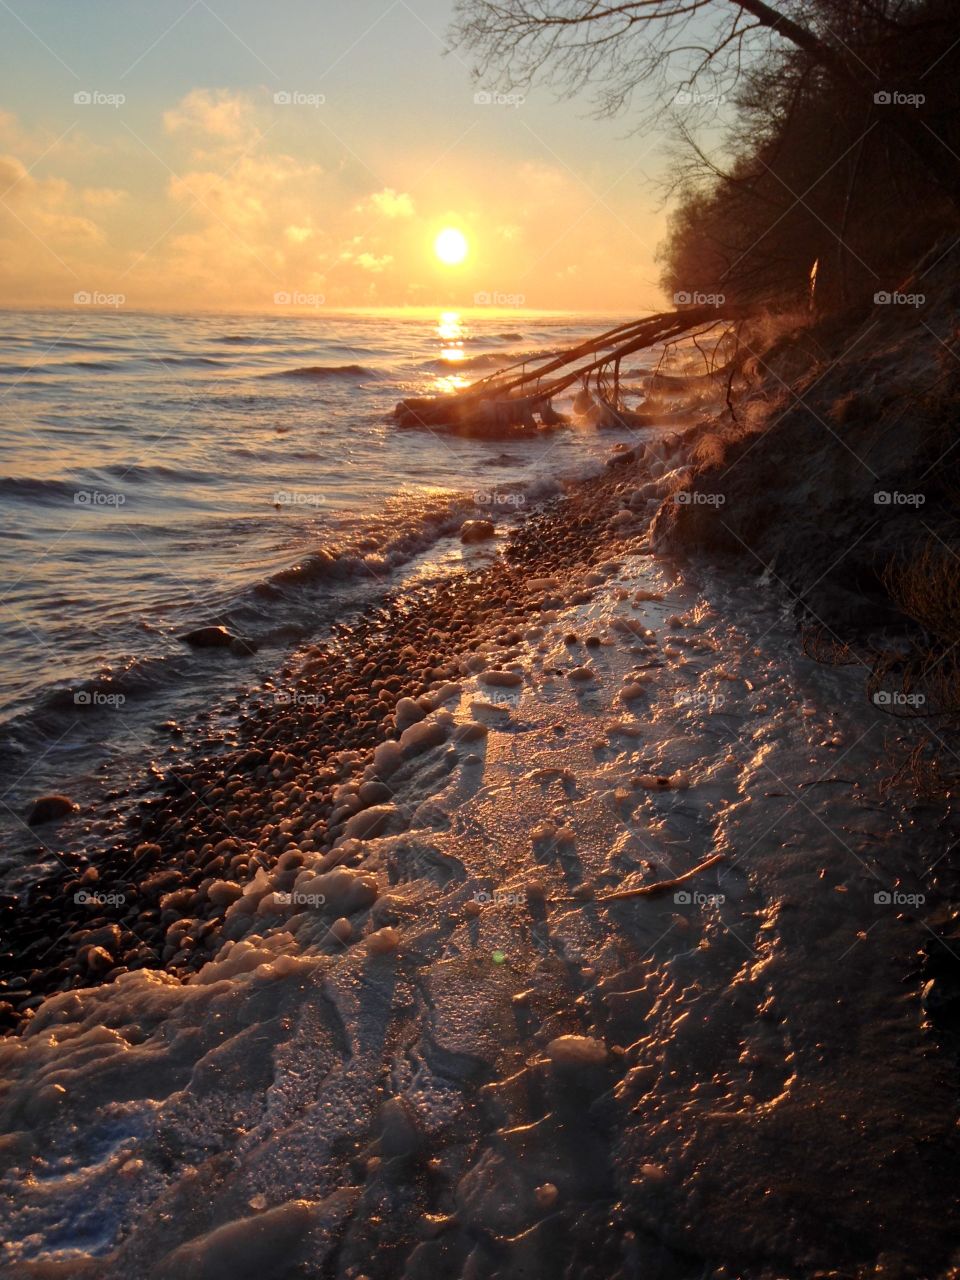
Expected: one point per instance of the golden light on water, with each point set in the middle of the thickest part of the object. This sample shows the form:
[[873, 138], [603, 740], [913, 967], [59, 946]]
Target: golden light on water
[[451, 246], [450, 333], [450, 326]]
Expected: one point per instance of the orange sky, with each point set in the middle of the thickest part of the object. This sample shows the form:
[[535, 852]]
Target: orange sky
[[247, 195]]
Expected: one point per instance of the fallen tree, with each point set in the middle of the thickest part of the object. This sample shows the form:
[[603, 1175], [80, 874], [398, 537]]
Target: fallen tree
[[513, 397]]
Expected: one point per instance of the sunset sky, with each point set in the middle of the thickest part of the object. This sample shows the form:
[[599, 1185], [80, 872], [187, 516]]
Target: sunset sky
[[200, 191]]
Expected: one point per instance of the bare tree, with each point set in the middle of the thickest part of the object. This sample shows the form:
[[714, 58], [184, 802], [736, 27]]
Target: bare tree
[[657, 48]]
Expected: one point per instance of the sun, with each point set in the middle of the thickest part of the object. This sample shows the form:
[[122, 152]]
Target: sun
[[451, 246]]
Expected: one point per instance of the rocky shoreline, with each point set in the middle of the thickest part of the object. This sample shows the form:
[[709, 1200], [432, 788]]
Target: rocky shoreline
[[156, 891], [542, 918]]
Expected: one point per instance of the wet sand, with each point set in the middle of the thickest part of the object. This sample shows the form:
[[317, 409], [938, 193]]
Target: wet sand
[[404, 1023]]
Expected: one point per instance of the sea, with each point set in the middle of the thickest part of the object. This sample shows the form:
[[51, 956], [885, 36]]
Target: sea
[[162, 473]]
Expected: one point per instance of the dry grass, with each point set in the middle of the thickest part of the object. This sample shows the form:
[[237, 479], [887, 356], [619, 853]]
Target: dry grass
[[926, 587]]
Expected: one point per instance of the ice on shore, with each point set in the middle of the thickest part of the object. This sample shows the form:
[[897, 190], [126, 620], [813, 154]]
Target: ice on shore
[[434, 1045]]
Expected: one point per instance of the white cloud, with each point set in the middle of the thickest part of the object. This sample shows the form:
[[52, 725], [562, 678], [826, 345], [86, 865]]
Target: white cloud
[[214, 113], [392, 204]]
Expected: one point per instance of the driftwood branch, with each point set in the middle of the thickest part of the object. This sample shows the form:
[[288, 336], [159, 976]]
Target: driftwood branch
[[662, 886]]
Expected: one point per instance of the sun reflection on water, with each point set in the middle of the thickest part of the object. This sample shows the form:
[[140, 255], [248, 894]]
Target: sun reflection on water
[[452, 332]]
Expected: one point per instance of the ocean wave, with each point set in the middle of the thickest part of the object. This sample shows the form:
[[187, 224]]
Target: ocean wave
[[139, 677], [404, 528], [185, 360], [41, 368], [31, 487], [320, 371], [488, 360], [137, 471], [483, 360]]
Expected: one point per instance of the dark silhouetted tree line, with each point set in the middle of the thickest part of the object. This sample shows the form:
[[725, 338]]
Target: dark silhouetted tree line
[[841, 135]]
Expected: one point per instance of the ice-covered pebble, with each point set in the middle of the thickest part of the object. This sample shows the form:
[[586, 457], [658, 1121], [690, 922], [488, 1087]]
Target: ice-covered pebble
[[383, 942], [408, 712], [501, 678], [371, 822], [222, 892], [546, 1195], [342, 929], [476, 530], [576, 1052], [421, 737], [387, 759]]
